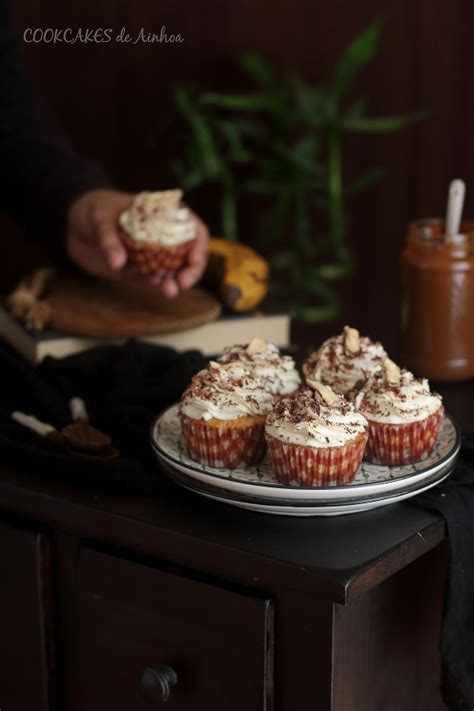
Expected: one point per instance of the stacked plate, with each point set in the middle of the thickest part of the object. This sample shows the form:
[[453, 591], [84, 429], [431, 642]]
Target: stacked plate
[[256, 488]]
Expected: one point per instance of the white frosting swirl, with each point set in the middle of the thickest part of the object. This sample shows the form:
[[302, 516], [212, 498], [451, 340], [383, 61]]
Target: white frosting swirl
[[307, 419], [265, 363], [158, 218], [342, 369], [408, 401], [225, 392]]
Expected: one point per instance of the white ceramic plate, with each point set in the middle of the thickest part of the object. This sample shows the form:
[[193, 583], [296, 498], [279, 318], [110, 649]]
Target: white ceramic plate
[[281, 508], [257, 484]]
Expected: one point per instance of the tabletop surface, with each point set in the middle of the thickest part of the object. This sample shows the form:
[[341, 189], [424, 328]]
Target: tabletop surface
[[337, 556]]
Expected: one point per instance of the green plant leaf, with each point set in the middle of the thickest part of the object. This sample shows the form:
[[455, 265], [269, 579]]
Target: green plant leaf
[[356, 55], [335, 271], [230, 131], [364, 181], [306, 147], [320, 201], [316, 314], [314, 106], [251, 128], [276, 220], [328, 310], [278, 290], [283, 260], [183, 101], [256, 186], [259, 68], [229, 208], [335, 191], [238, 102], [303, 154], [383, 124], [356, 110], [189, 179], [303, 231], [210, 160]]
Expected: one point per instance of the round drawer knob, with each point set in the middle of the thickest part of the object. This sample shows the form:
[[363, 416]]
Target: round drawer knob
[[156, 684]]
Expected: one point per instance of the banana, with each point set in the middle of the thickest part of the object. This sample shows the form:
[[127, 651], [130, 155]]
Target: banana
[[239, 272]]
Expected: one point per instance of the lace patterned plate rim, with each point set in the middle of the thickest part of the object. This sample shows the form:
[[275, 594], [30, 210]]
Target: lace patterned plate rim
[[303, 507], [371, 479]]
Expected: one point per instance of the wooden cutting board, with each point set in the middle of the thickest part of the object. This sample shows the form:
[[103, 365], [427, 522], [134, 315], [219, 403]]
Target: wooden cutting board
[[103, 309]]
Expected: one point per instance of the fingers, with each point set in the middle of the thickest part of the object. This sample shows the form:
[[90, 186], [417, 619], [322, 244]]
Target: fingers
[[92, 239], [111, 246], [104, 213], [169, 287], [198, 253], [188, 276], [197, 258]]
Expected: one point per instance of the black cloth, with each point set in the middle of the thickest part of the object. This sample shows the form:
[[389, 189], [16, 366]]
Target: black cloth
[[124, 389], [40, 172], [454, 499]]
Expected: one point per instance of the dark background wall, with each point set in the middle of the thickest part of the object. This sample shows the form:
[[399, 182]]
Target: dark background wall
[[111, 98]]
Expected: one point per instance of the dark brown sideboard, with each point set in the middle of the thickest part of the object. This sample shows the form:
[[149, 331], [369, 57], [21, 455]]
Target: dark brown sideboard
[[103, 598]]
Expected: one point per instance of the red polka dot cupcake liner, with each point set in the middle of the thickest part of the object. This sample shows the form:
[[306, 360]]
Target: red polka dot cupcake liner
[[395, 445], [228, 445], [155, 260], [316, 466]]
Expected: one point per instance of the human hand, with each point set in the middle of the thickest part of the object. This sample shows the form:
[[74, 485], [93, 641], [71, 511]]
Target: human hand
[[195, 265], [93, 241]]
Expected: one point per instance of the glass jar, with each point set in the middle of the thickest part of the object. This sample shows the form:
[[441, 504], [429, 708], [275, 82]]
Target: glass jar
[[437, 318]]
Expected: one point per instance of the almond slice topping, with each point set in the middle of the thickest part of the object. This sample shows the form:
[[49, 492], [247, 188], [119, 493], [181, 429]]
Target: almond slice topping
[[392, 372], [351, 339], [328, 395], [163, 199], [257, 345], [232, 365]]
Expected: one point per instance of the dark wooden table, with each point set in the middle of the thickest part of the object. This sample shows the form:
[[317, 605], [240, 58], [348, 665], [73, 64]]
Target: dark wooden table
[[100, 593]]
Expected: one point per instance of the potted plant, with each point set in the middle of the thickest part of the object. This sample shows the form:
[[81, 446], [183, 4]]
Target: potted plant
[[280, 146]]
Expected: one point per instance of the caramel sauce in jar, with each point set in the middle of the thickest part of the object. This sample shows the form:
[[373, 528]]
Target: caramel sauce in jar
[[437, 319]]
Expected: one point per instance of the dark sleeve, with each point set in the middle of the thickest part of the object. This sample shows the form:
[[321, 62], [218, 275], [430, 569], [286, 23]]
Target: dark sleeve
[[40, 172]]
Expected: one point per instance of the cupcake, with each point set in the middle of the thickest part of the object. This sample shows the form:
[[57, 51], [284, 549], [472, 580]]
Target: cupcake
[[263, 360], [158, 232], [404, 416], [223, 414], [315, 438], [345, 362]]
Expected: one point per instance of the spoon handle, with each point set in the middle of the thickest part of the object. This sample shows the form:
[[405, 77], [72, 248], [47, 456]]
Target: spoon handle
[[78, 410], [457, 189], [32, 423]]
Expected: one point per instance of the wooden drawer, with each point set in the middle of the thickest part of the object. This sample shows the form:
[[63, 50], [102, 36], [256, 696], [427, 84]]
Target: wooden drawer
[[133, 617], [25, 626]]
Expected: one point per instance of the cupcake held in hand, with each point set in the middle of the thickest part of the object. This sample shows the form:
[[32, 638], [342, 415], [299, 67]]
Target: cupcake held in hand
[[345, 362], [404, 416], [315, 438], [277, 373], [158, 232], [223, 414]]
